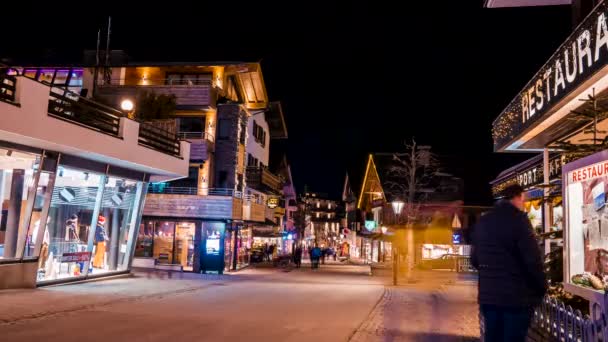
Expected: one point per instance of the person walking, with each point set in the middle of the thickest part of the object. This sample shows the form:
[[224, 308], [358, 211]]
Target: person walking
[[297, 256], [511, 277], [315, 255]]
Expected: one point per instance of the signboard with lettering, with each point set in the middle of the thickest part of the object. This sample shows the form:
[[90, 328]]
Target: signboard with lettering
[[273, 202], [532, 176], [575, 61], [76, 257], [219, 207]]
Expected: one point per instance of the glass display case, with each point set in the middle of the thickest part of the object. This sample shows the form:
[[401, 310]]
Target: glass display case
[[586, 226]]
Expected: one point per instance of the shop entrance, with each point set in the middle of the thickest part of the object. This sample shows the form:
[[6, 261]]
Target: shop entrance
[[168, 242]]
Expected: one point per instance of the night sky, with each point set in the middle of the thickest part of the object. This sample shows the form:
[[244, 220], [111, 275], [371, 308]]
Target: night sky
[[353, 78]]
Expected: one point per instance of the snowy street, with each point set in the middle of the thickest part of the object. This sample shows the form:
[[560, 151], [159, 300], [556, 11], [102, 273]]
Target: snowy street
[[335, 303]]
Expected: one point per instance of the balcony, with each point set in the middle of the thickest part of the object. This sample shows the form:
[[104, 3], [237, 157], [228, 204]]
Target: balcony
[[210, 203], [253, 209], [201, 143], [262, 179], [40, 116], [196, 96]]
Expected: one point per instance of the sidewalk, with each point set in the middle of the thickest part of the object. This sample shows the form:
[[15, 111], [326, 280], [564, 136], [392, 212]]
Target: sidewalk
[[24, 304], [438, 306]]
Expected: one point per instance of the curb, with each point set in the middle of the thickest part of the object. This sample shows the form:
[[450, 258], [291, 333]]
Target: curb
[[382, 296]]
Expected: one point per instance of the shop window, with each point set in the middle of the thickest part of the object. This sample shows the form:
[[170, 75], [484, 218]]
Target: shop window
[[184, 245], [70, 224], [145, 240], [90, 225], [17, 172], [163, 242], [115, 225]]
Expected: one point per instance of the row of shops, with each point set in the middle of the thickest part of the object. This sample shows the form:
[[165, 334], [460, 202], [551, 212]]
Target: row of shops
[[195, 245], [567, 180]]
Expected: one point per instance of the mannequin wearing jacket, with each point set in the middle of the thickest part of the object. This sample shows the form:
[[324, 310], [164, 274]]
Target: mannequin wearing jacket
[[100, 243]]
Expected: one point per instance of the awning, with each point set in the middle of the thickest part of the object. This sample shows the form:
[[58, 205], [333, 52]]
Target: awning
[[541, 114]]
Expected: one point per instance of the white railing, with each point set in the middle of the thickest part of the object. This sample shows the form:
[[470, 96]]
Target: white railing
[[195, 135], [172, 190]]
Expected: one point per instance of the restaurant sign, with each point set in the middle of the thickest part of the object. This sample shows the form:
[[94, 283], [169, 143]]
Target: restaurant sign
[[579, 57], [532, 176]]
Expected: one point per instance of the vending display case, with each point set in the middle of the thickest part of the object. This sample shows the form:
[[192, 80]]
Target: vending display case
[[585, 184]]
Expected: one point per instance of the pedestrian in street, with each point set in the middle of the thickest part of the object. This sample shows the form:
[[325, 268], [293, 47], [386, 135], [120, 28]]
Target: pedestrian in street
[[271, 249], [323, 254], [511, 277], [265, 251], [315, 255], [297, 256]]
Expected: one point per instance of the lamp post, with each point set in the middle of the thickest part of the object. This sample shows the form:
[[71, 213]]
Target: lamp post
[[383, 229], [397, 208]]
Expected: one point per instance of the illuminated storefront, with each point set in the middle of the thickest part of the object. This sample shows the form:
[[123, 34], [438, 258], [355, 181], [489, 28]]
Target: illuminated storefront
[[538, 205], [90, 209]]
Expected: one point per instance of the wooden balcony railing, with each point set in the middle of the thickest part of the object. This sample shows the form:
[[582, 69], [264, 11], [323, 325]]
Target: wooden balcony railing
[[69, 106], [159, 139], [260, 178]]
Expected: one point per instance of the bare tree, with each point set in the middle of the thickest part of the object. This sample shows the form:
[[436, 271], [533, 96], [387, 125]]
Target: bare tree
[[411, 176], [410, 180]]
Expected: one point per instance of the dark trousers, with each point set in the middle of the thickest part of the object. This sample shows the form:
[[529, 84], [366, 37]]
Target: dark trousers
[[505, 323]]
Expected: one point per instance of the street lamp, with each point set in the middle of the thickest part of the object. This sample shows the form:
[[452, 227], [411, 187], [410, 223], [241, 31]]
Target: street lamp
[[397, 208], [384, 229], [127, 105]]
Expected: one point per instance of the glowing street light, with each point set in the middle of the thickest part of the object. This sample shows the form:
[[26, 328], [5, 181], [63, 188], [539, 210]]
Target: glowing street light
[[127, 105], [397, 206]]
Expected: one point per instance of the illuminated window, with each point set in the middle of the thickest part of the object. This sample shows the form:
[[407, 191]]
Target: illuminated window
[[318, 215], [318, 204], [329, 205]]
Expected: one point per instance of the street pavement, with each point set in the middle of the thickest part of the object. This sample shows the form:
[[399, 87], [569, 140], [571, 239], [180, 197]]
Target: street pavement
[[334, 303]]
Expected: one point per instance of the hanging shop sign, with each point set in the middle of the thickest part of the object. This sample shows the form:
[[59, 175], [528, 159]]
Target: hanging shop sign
[[579, 57], [273, 202], [532, 176], [370, 225]]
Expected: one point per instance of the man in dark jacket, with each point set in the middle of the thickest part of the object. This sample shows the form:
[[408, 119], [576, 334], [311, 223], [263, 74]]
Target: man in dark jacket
[[511, 277]]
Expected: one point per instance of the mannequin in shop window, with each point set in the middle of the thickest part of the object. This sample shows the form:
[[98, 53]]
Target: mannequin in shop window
[[100, 243], [71, 228]]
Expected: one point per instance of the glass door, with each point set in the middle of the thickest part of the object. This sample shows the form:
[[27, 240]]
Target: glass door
[[184, 244]]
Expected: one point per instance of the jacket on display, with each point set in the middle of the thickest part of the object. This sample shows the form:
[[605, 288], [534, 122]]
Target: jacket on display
[[100, 234]]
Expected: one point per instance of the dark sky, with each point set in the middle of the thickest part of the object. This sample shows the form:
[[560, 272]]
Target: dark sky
[[354, 77]]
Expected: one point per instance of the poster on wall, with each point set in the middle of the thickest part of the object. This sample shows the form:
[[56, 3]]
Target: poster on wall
[[587, 221]]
